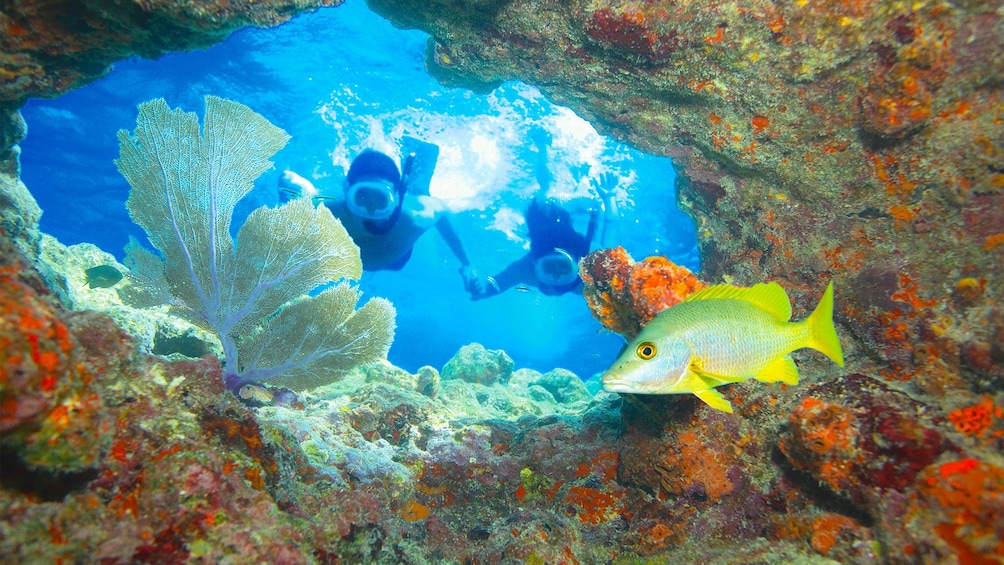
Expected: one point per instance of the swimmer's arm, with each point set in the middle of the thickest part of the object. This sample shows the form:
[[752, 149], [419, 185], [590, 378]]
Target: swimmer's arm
[[293, 186], [472, 282], [518, 272], [449, 235], [429, 211], [605, 186]]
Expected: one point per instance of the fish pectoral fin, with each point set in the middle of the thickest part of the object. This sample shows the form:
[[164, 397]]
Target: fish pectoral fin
[[710, 379], [714, 399], [782, 370]]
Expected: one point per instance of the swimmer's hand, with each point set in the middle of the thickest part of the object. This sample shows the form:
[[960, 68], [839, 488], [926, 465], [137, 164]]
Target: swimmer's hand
[[483, 288], [293, 186], [472, 282], [605, 185]]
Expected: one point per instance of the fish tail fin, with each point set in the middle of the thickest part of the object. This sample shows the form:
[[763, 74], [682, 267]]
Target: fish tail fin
[[822, 332]]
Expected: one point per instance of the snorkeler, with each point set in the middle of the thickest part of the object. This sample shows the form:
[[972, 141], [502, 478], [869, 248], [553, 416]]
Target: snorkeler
[[556, 247], [380, 213]]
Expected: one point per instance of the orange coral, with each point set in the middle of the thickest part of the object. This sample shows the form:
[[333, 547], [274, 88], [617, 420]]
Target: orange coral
[[976, 419], [902, 214], [896, 101], [594, 504], [823, 439], [413, 511], [689, 463], [908, 293], [970, 493], [657, 283], [826, 529], [624, 295], [993, 241], [655, 539], [48, 413]]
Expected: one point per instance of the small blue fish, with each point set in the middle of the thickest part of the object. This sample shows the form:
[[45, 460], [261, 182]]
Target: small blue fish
[[102, 276]]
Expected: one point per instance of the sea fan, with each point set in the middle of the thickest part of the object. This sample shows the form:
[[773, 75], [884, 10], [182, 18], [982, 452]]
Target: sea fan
[[252, 294]]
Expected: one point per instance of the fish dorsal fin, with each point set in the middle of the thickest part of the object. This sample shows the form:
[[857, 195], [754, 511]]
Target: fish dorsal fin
[[769, 297]]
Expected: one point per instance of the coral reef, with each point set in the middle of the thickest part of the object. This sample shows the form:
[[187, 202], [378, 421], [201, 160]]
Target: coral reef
[[961, 500], [891, 456], [373, 468], [50, 412], [475, 364], [858, 142], [64, 271]]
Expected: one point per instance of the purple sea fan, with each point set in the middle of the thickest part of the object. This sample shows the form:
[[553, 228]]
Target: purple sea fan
[[252, 294]]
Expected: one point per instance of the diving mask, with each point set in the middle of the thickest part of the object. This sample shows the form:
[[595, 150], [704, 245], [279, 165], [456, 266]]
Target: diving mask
[[372, 199], [556, 268]]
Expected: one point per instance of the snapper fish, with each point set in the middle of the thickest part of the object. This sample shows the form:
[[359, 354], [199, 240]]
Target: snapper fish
[[719, 335]]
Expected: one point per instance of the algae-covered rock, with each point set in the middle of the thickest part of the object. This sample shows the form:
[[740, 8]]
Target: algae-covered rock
[[19, 214], [562, 385], [475, 364], [381, 372], [475, 400], [428, 381], [64, 269], [394, 414]]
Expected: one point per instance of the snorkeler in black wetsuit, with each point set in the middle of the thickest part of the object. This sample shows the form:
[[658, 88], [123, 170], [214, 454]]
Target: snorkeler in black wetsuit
[[382, 216], [551, 266]]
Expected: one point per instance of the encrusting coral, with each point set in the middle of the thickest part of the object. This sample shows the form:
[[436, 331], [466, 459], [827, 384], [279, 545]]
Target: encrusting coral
[[624, 295], [184, 189], [50, 413]]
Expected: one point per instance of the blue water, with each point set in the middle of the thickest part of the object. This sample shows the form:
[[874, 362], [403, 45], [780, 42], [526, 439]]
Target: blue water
[[340, 80]]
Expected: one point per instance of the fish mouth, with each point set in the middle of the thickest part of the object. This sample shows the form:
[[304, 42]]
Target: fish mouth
[[612, 382]]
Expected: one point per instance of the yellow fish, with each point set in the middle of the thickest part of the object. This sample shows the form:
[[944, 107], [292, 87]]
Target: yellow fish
[[719, 335]]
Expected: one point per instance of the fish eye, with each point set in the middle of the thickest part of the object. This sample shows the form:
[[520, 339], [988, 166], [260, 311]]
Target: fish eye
[[646, 350]]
